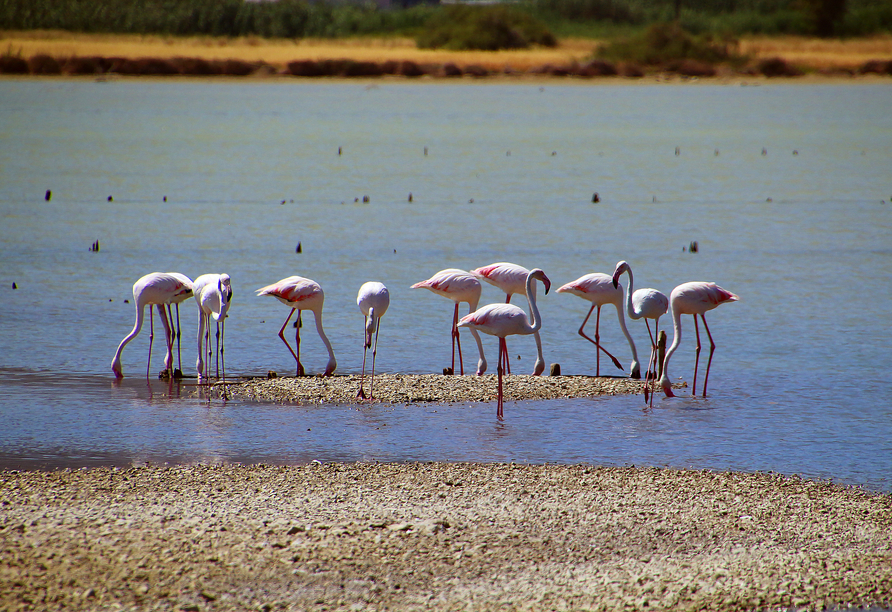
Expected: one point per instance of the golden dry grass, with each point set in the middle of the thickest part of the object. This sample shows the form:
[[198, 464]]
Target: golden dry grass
[[810, 53], [819, 53], [279, 51]]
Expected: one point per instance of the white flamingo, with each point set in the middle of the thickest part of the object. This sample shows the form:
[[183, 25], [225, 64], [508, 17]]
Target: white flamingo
[[213, 293], [503, 320], [373, 300], [156, 289], [646, 304], [458, 286], [599, 289], [299, 293], [694, 298], [511, 278]]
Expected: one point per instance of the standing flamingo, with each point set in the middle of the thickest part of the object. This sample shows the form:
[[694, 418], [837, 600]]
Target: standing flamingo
[[506, 319], [156, 289], [301, 294], [599, 289], [694, 298], [373, 300], [213, 293], [511, 279], [649, 304], [458, 286]]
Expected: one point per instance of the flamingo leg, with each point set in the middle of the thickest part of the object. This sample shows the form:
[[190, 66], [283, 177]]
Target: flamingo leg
[[456, 340], [151, 338], [365, 348], [503, 358], [222, 347], [168, 336], [374, 354], [597, 344], [207, 345], [217, 336], [696, 359], [300, 366], [711, 351], [505, 344], [179, 353], [282, 336]]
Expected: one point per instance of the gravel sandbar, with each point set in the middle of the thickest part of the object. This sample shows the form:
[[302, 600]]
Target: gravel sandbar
[[439, 537], [414, 388]]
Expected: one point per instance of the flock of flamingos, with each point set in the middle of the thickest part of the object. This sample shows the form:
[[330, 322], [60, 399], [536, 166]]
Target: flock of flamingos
[[213, 293]]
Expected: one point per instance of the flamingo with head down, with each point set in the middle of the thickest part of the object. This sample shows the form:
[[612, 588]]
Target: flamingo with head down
[[373, 300], [301, 294], [213, 293], [694, 298], [156, 289], [599, 289], [646, 304]]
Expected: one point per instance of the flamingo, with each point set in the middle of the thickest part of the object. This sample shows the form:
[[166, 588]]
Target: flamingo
[[156, 289], [694, 298], [373, 300], [646, 304], [301, 294], [599, 289], [213, 293], [511, 278], [458, 286], [506, 319]]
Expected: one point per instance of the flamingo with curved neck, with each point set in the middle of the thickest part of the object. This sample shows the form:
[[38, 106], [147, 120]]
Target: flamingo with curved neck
[[503, 320], [694, 298], [599, 289], [156, 289], [646, 304]]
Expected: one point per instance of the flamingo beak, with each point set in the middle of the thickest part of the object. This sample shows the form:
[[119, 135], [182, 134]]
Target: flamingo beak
[[547, 283], [615, 281]]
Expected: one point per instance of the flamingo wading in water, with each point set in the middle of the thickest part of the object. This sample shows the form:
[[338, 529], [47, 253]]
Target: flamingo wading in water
[[694, 298], [646, 304], [299, 293], [511, 278], [503, 320], [156, 289], [599, 289], [458, 286], [373, 300], [213, 293]]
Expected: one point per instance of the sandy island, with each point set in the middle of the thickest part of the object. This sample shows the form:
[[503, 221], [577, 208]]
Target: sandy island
[[437, 536]]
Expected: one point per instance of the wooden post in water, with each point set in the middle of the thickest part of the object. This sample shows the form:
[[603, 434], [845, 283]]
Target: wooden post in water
[[661, 353]]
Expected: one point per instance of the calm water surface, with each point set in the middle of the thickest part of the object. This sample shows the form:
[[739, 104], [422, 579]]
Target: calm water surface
[[231, 176]]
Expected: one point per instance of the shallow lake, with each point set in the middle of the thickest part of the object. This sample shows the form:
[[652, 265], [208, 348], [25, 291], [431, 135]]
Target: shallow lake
[[785, 188]]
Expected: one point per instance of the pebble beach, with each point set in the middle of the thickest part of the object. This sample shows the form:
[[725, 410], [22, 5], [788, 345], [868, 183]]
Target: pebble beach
[[437, 536]]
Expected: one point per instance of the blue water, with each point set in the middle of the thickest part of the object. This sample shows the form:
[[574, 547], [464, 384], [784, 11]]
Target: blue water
[[231, 176]]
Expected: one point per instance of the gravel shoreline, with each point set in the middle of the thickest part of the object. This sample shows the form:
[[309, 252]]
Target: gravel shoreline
[[437, 536], [415, 388]]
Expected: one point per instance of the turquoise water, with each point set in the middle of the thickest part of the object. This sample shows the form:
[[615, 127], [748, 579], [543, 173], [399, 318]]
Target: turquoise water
[[231, 176]]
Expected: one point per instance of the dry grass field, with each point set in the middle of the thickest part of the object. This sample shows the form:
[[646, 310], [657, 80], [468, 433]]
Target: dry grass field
[[807, 53]]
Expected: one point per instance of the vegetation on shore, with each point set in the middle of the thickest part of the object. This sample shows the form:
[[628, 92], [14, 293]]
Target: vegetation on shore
[[302, 18]]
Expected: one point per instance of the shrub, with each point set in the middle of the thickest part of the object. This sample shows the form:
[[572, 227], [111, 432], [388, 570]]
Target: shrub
[[484, 28], [776, 67], [667, 44], [44, 64]]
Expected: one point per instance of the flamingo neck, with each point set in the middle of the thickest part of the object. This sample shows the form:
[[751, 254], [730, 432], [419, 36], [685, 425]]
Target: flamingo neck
[[629, 290], [536, 324], [676, 340], [332, 362], [116, 362]]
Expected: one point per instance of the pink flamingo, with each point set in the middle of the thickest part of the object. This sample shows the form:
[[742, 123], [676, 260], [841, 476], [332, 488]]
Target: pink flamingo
[[156, 289], [511, 278], [458, 286], [301, 294], [373, 300], [646, 304], [694, 298], [213, 293], [503, 320], [599, 289]]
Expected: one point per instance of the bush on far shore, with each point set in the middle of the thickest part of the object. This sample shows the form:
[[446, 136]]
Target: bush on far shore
[[492, 27]]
